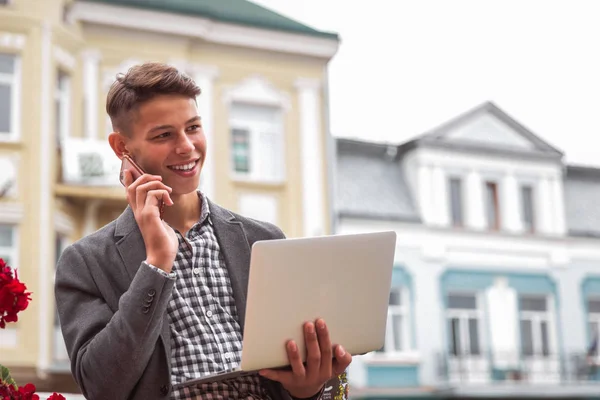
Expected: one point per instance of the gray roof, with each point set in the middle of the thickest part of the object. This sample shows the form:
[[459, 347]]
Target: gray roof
[[371, 184], [582, 201]]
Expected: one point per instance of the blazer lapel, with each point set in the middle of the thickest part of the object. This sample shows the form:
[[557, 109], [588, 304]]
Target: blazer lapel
[[236, 251]]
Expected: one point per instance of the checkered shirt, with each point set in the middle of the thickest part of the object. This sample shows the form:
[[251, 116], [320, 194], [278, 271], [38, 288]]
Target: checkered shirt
[[205, 333]]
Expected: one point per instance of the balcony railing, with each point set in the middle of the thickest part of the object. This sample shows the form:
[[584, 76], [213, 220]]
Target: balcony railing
[[516, 368]]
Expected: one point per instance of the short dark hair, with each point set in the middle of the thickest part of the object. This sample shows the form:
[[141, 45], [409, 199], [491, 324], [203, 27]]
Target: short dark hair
[[140, 84]]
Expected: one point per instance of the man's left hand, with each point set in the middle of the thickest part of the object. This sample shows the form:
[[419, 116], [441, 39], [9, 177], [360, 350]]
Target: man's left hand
[[321, 365]]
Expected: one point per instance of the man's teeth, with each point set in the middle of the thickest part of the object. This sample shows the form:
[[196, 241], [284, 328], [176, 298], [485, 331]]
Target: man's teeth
[[185, 167]]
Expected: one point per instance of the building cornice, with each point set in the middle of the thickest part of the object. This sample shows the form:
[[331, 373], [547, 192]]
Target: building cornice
[[204, 28]]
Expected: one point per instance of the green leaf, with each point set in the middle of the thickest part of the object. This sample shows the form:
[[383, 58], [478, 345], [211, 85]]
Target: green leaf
[[5, 376]]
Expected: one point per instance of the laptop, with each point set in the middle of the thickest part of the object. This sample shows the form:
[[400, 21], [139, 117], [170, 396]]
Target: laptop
[[344, 279]]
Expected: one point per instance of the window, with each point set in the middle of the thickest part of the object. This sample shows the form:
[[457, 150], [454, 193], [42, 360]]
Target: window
[[257, 146], [535, 326], [8, 244], [527, 218], [241, 150], [62, 109], [492, 209], [594, 321], [397, 335], [464, 325], [9, 97], [456, 202]]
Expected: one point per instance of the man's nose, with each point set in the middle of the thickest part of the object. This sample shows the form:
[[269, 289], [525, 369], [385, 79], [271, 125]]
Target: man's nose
[[184, 144]]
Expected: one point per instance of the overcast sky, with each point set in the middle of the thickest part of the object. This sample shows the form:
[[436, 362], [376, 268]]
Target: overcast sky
[[405, 66]]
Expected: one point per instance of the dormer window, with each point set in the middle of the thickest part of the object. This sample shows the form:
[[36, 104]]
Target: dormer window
[[492, 206]]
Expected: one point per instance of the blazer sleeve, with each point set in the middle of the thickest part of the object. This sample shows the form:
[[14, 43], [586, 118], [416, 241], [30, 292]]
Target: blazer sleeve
[[109, 349]]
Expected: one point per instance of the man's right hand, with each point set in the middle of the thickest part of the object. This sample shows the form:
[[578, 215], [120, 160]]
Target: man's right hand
[[145, 195]]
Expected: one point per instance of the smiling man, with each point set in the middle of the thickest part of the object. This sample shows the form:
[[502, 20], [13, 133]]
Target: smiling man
[[146, 303]]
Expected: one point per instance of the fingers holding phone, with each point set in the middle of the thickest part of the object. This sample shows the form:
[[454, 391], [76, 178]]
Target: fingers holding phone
[[130, 173], [147, 195]]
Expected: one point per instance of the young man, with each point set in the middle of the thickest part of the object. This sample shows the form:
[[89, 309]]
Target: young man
[[146, 303]]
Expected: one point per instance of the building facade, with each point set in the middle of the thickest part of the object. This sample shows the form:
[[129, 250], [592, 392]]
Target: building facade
[[264, 108], [496, 281]]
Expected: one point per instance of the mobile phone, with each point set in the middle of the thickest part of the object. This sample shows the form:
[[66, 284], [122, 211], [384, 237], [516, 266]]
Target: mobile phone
[[127, 163], [136, 171]]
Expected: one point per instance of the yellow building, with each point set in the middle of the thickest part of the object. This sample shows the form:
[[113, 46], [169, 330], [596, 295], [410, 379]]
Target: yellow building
[[264, 107]]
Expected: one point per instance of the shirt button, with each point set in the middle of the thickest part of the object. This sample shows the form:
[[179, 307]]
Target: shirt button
[[209, 314], [196, 271]]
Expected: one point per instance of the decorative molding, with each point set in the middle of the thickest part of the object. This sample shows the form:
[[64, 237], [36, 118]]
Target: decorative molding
[[12, 40], [11, 213], [307, 83], [256, 89], [206, 29], [64, 58], [90, 53]]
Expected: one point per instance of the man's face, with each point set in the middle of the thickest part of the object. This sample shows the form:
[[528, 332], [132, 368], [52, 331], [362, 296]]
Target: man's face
[[167, 140]]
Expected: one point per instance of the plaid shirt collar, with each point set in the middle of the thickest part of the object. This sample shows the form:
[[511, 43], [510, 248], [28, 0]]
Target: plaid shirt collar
[[204, 209]]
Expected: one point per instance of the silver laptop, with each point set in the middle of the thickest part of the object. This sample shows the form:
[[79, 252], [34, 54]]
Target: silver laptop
[[344, 279]]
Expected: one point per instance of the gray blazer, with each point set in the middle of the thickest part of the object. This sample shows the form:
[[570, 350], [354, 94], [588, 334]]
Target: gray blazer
[[113, 313]]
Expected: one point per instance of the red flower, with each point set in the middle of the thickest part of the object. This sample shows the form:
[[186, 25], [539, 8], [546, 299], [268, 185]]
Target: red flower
[[56, 396], [13, 295], [11, 392]]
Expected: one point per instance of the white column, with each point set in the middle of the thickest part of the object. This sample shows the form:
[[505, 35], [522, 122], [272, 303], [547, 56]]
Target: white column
[[475, 209], [425, 193], [91, 62], [205, 77], [559, 205], [509, 205], [312, 154], [544, 215], [440, 197], [502, 306], [45, 196]]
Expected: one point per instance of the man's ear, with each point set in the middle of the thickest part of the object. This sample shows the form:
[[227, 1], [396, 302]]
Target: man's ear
[[118, 142]]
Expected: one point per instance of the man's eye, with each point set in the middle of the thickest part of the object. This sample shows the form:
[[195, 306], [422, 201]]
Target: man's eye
[[194, 128], [162, 135]]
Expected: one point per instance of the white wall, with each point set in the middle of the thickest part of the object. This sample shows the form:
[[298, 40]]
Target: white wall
[[426, 251], [428, 171]]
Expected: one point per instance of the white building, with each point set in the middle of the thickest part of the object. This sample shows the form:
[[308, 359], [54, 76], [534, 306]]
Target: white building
[[496, 285]]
